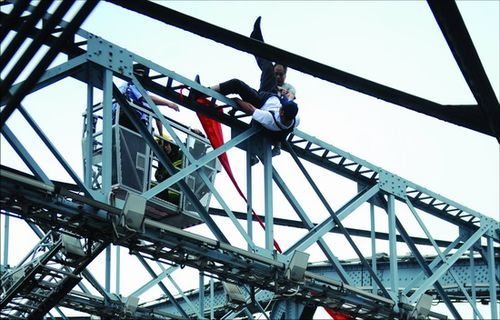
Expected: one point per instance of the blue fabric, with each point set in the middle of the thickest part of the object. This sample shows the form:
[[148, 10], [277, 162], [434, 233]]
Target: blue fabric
[[133, 94]]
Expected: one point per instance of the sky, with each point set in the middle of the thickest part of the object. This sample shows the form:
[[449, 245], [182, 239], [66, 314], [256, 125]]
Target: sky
[[394, 43]]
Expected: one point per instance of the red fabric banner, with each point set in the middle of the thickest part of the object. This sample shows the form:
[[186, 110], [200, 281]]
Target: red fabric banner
[[213, 129]]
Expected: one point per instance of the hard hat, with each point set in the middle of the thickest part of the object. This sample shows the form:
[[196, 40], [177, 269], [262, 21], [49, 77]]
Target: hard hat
[[165, 137]]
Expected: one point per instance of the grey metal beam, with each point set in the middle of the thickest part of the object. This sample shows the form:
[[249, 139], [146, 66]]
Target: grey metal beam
[[455, 32], [13, 47], [408, 268], [13, 17], [162, 286], [367, 174], [42, 65], [55, 152], [162, 243], [425, 268], [309, 225], [352, 231], [24, 155]]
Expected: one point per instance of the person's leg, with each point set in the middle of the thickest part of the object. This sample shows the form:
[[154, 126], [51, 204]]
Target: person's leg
[[257, 35], [267, 78], [246, 92], [276, 151]]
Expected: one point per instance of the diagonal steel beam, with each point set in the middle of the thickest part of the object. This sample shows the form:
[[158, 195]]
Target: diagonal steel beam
[[454, 30], [55, 152], [35, 75], [21, 36], [52, 75], [426, 269], [307, 223], [24, 154], [441, 256], [35, 45], [162, 286], [13, 17]]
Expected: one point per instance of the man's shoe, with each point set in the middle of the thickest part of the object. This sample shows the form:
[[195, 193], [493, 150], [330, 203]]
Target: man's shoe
[[276, 151], [232, 112], [254, 160], [257, 33]]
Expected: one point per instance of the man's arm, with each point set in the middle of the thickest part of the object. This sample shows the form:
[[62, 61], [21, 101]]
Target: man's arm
[[164, 102], [245, 106]]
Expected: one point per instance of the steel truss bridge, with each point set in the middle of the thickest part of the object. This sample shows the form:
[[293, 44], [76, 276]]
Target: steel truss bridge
[[78, 221]]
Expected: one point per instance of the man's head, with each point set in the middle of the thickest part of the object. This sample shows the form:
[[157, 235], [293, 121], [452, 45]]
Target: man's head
[[288, 111], [280, 72], [141, 70]]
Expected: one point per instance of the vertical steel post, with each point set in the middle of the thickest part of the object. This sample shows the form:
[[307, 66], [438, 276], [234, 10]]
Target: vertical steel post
[[374, 249], [201, 296], [212, 302], [118, 270], [472, 279], [268, 196], [492, 279], [107, 284], [6, 241], [249, 195], [89, 134], [393, 253], [107, 139]]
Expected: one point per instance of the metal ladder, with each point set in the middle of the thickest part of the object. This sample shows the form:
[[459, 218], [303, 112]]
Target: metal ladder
[[47, 274]]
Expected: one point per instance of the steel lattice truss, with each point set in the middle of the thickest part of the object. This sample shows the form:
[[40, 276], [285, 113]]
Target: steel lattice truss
[[77, 221]]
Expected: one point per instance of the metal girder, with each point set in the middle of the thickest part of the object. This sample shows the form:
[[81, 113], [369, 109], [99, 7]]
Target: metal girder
[[161, 242], [43, 64], [466, 116], [13, 17], [162, 286], [353, 232], [455, 32], [95, 305], [24, 154], [366, 174], [361, 279]]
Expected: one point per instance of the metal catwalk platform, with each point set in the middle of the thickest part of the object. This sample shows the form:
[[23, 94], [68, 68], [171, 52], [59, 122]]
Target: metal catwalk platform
[[76, 221]]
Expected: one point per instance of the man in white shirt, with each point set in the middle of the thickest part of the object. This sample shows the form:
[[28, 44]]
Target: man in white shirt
[[275, 114]]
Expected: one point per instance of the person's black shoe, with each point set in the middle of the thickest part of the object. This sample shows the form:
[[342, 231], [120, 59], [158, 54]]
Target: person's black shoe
[[276, 151], [257, 33]]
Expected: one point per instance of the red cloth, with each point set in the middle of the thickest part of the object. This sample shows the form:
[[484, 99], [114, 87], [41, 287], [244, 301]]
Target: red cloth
[[336, 315], [213, 129]]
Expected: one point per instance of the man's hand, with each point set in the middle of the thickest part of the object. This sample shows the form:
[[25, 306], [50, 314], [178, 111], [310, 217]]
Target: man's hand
[[172, 105], [247, 107]]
